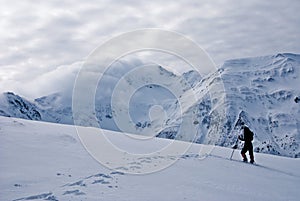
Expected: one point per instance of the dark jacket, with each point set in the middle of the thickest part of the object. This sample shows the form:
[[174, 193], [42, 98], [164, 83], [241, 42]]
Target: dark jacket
[[248, 135]]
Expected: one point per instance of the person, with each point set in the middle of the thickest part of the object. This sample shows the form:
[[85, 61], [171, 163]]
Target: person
[[247, 137]]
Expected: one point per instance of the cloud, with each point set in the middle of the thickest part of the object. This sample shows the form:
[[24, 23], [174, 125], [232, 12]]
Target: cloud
[[39, 40], [61, 79], [243, 29]]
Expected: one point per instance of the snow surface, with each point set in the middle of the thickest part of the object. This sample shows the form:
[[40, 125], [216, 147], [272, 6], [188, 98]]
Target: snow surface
[[43, 161]]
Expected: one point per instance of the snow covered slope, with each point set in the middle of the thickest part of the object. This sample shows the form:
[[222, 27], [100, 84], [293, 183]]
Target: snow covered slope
[[42, 161], [262, 92]]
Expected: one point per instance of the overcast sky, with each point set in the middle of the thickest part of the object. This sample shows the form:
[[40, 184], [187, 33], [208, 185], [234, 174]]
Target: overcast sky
[[42, 43]]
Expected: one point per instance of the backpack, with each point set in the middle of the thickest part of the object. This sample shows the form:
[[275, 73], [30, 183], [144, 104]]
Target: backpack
[[248, 134]]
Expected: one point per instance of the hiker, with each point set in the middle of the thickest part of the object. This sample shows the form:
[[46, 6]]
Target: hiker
[[247, 137]]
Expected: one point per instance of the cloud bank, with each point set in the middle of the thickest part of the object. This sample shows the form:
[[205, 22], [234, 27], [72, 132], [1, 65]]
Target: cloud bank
[[43, 42]]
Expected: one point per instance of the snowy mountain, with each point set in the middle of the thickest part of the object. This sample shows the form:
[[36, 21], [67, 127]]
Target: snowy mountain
[[49, 108], [43, 161], [14, 106], [262, 92]]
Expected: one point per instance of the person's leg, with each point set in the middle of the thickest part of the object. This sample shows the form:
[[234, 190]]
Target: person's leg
[[250, 148], [243, 153]]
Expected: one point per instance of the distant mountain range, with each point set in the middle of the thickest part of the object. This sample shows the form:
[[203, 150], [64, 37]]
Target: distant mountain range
[[262, 92]]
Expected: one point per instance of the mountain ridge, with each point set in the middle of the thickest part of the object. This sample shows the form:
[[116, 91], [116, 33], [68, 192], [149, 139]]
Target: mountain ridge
[[259, 91]]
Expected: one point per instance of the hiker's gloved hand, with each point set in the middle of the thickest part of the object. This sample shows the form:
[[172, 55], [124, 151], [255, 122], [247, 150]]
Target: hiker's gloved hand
[[235, 146], [241, 137]]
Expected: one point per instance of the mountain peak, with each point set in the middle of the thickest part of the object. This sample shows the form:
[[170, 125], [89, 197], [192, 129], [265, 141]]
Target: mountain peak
[[16, 106], [50, 100]]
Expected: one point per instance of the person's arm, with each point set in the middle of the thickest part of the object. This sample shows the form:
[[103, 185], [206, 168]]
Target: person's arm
[[241, 135]]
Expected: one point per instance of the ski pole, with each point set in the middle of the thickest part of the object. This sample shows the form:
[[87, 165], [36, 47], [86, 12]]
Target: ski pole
[[231, 154], [233, 148]]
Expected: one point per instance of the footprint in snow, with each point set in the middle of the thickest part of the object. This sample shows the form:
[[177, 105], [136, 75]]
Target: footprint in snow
[[117, 173], [74, 192], [43, 196], [100, 181], [78, 183], [108, 180]]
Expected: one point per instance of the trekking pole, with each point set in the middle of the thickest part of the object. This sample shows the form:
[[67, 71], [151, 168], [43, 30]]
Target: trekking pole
[[233, 148]]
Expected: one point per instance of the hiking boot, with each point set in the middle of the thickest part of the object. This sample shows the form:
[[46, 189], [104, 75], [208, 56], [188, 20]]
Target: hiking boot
[[251, 161], [245, 160]]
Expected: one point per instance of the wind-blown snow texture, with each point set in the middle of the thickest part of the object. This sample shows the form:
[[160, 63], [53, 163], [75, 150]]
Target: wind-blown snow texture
[[262, 92], [43, 161]]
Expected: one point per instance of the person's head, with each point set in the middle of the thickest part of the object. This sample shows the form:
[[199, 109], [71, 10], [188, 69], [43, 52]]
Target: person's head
[[243, 125]]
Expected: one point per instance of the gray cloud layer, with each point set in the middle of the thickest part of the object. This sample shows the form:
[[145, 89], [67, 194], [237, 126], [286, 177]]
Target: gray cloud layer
[[39, 39]]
